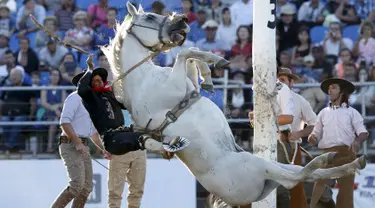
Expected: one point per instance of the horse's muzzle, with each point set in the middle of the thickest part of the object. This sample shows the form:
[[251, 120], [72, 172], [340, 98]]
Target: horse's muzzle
[[177, 29]]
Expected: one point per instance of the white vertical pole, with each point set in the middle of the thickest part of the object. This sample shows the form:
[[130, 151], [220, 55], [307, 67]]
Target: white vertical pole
[[225, 91], [264, 66]]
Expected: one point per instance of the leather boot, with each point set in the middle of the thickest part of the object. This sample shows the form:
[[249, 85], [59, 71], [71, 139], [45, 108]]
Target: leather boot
[[80, 200], [63, 199]]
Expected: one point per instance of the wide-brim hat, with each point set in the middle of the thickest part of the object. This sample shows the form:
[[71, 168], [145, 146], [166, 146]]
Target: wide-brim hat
[[282, 71], [98, 71], [345, 85]]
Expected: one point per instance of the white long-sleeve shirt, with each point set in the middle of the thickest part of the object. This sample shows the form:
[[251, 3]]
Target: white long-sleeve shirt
[[75, 113], [285, 103], [241, 13], [338, 127]]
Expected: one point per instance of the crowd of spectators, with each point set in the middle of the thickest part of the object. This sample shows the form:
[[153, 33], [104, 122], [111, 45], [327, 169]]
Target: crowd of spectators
[[310, 40]]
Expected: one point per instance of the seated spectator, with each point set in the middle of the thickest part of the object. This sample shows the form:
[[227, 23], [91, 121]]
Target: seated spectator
[[364, 93], [365, 44], [157, 7], [65, 15], [239, 105], [363, 8], [214, 10], [345, 12], [9, 64], [35, 78], [52, 102], [241, 52], [281, 3], [227, 29], [187, 9], [303, 47], [286, 60], [309, 12], [42, 38], [26, 57], [4, 44], [6, 22], [24, 24], [53, 53], [106, 31], [16, 106], [242, 12], [346, 57], [306, 71], [315, 96], [371, 17], [288, 28], [334, 42], [210, 43], [196, 31], [50, 5], [321, 66], [97, 14], [81, 35], [68, 69]]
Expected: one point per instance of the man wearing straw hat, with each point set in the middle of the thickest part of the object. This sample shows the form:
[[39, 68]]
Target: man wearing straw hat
[[339, 128], [303, 114]]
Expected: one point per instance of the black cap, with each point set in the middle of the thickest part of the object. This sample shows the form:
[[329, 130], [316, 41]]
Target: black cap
[[98, 71]]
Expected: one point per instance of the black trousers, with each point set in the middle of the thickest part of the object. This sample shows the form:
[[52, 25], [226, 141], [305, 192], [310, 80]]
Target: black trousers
[[121, 142]]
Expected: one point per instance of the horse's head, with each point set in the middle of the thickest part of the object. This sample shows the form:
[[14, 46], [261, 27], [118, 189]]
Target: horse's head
[[154, 31]]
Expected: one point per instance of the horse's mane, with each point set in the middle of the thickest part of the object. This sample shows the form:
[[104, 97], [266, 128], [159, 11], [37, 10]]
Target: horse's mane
[[113, 53]]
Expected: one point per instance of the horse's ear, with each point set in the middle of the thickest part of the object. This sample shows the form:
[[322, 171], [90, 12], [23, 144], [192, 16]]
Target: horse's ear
[[140, 10], [131, 9]]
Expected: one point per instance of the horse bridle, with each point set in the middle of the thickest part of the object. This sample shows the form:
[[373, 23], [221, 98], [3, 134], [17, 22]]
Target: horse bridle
[[160, 31]]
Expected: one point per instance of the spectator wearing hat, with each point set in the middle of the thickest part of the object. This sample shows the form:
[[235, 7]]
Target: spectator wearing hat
[[281, 3], [65, 15], [309, 12], [6, 23], [339, 128], [305, 72], [53, 53], [196, 31], [187, 9], [288, 28], [303, 114], [242, 12], [210, 42], [24, 24], [42, 38], [11, 4]]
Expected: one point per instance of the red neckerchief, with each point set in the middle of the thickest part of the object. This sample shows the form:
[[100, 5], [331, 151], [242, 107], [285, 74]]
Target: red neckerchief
[[105, 88]]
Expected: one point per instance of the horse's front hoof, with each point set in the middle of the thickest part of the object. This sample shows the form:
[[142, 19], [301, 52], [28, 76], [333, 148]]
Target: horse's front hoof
[[221, 64], [362, 162]]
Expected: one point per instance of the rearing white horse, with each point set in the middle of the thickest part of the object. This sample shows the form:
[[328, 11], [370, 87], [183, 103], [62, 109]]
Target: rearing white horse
[[149, 92]]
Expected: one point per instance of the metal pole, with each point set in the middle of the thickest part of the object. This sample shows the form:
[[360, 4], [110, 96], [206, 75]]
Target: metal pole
[[225, 91]]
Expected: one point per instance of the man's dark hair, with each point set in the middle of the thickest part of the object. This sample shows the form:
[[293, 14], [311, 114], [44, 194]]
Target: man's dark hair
[[157, 7]]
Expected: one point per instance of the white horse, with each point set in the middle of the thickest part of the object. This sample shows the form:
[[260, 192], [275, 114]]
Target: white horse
[[149, 92]]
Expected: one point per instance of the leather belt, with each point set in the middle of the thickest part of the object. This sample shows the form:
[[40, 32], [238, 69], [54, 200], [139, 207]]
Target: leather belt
[[66, 140]]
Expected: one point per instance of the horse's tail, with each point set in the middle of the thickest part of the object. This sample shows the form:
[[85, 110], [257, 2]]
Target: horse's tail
[[215, 202]]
